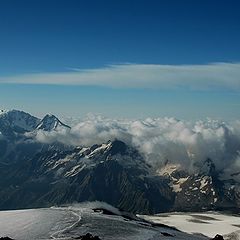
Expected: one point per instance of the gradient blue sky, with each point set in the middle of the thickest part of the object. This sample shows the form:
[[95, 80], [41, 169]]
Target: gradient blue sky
[[41, 39]]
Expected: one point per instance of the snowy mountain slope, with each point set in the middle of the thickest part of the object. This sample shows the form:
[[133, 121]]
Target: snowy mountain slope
[[17, 121], [204, 190], [77, 220], [18, 131], [50, 123]]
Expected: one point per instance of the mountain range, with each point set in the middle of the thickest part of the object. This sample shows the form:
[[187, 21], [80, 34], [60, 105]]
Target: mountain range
[[36, 174]]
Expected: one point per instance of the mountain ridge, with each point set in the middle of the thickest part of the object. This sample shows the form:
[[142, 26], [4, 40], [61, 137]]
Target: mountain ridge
[[34, 174]]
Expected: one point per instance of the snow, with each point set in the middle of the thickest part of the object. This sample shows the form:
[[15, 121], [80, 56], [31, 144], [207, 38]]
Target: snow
[[67, 228], [75, 170], [62, 161], [177, 185], [73, 221], [33, 224], [48, 123], [19, 119], [203, 182], [208, 223], [84, 149], [103, 147], [168, 169], [51, 122]]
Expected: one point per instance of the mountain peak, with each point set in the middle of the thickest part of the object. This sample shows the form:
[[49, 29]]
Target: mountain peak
[[49, 115], [117, 146], [50, 122], [19, 121]]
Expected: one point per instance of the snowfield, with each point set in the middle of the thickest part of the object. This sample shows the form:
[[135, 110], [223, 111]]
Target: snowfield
[[73, 221], [208, 223]]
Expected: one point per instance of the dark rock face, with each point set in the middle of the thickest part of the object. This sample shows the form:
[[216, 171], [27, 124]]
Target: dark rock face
[[218, 237], [88, 236], [6, 238], [118, 147], [165, 234]]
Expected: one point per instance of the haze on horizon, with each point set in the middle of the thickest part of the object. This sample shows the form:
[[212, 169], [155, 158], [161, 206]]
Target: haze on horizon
[[122, 59]]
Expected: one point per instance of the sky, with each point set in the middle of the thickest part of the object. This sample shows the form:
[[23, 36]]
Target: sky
[[133, 59]]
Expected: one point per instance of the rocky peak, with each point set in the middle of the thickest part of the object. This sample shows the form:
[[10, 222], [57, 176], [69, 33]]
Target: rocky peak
[[50, 122], [117, 147]]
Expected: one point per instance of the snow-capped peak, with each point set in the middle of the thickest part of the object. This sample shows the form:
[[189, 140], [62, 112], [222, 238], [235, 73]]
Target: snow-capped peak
[[50, 122], [18, 120]]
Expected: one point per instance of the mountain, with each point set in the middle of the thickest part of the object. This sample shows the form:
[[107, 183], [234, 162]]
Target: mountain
[[19, 122], [34, 174], [111, 172], [17, 134], [204, 190], [50, 123], [15, 121]]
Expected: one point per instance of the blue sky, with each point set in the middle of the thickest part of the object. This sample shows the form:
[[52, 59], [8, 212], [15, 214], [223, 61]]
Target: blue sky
[[74, 57]]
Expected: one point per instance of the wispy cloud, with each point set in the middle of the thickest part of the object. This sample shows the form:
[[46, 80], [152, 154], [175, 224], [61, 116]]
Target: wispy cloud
[[193, 77]]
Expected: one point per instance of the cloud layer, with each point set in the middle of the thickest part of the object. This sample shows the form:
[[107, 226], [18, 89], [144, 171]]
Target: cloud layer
[[162, 139], [193, 77]]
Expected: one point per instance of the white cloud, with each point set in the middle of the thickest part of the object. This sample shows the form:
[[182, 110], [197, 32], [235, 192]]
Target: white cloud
[[203, 77], [186, 143]]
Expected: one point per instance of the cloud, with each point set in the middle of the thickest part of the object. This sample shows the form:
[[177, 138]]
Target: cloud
[[153, 76], [162, 139]]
